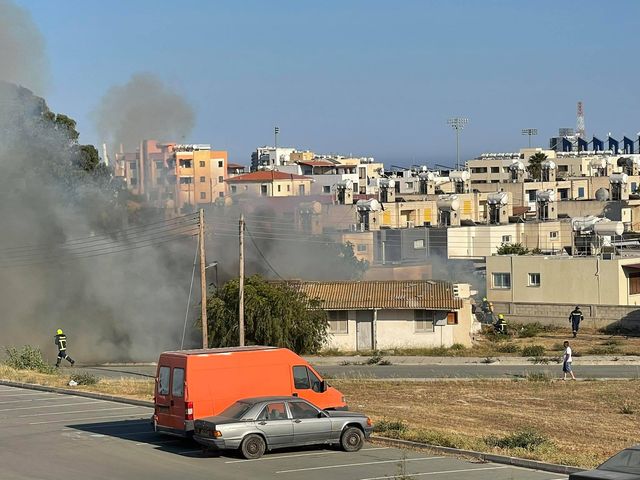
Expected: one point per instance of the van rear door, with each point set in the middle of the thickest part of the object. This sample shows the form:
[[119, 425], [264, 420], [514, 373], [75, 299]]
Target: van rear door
[[170, 402], [177, 404], [163, 396]]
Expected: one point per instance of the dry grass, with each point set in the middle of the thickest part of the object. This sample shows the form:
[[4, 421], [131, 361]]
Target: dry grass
[[582, 420]]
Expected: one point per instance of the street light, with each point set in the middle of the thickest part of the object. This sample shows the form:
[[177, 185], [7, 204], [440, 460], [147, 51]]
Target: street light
[[458, 124], [214, 265], [529, 132]]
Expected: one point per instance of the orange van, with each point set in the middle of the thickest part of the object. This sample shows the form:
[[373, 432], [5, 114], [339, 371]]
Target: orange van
[[193, 384]]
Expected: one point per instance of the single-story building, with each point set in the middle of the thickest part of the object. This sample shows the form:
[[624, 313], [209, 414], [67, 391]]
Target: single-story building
[[379, 315]]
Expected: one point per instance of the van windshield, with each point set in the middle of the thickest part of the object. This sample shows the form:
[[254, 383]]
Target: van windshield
[[237, 410]]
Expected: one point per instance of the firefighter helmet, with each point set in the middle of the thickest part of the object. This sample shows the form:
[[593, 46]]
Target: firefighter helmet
[[59, 331]]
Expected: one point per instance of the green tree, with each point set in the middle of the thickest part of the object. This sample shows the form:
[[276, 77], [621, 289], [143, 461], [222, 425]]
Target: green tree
[[535, 165], [512, 249], [274, 314]]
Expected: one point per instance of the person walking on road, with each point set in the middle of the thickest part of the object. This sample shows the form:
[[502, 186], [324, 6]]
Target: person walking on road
[[575, 317], [61, 342], [567, 359]]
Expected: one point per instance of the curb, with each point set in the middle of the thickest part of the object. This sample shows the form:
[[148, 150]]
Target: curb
[[486, 457], [78, 393]]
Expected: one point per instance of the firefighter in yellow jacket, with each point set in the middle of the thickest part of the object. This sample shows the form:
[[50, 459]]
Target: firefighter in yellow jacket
[[61, 342]]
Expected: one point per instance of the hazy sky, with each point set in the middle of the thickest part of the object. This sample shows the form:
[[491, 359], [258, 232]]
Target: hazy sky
[[376, 78]]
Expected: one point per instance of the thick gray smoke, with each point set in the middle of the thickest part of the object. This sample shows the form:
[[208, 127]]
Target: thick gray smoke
[[142, 108], [22, 57], [113, 306]]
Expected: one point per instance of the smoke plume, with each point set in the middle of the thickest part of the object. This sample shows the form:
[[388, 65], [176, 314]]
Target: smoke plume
[[22, 57], [143, 108]]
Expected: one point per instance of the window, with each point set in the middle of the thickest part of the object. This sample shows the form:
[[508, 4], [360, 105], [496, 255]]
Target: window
[[303, 410], [203, 179], [220, 163], [220, 179], [362, 247], [409, 185], [288, 188], [417, 244], [634, 283], [338, 321], [534, 279], [326, 189], [203, 195], [316, 383], [506, 238], [563, 168], [532, 195], [133, 182], [234, 189], [274, 411], [300, 190], [186, 180], [133, 165], [202, 163], [163, 381], [264, 190], [177, 384], [580, 192], [221, 194], [423, 320], [479, 170], [279, 187], [300, 378], [553, 234], [452, 318], [495, 169], [501, 280], [185, 163]]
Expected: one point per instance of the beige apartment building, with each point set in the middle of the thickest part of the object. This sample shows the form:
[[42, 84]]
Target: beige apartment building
[[270, 183]]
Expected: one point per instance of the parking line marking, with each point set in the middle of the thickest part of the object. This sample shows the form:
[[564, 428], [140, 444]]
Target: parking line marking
[[83, 419], [302, 455], [28, 394], [360, 464], [442, 472], [130, 422], [46, 399], [77, 411], [49, 406]]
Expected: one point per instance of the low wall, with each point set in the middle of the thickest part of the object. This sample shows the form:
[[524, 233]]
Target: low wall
[[626, 317]]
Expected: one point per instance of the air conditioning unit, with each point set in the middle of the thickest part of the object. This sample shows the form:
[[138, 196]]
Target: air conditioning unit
[[410, 224]]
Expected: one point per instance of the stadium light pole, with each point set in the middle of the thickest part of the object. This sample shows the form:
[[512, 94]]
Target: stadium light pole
[[529, 132], [457, 123]]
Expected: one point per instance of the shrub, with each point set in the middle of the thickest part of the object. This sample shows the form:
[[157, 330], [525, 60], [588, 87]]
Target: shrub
[[612, 341], [529, 330], [508, 348], [384, 362], [627, 408], [437, 438], [533, 351], [27, 358], [458, 347], [84, 378], [527, 439], [375, 359], [391, 428], [604, 350], [538, 377]]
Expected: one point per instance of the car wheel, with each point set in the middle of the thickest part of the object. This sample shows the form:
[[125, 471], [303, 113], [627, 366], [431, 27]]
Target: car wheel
[[352, 439], [253, 447]]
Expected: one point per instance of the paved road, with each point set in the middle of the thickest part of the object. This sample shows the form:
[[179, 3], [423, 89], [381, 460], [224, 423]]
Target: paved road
[[422, 371], [48, 436]]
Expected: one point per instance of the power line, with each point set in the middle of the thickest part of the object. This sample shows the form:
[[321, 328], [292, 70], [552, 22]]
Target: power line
[[262, 255]]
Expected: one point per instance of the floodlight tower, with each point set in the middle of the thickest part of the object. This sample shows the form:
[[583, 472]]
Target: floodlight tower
[[580, 121], [457, 123], [529, 132]]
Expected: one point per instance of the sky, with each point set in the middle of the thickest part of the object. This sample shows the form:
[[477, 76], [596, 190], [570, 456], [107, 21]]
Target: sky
[[363, 77]]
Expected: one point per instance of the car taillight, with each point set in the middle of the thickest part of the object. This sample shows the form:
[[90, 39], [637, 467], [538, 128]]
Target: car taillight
[[368, 422], [188, 410]]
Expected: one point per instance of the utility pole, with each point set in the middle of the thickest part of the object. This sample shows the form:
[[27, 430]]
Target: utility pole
[[203, 282], [241, 300]]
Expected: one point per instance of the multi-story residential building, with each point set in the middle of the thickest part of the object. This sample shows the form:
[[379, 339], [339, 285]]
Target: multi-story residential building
[[174, 176], [270, 183], [270, 157]]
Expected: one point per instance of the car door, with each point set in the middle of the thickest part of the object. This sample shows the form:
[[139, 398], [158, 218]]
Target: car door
[[276, 424], [310, 425]]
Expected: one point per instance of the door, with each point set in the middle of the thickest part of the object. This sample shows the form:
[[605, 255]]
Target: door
[[310, 425], [364, 329], [276, 424], [308, 385], [177, 405], [163, 395]]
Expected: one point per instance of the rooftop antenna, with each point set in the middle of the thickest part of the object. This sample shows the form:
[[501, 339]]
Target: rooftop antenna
[[580, 121]]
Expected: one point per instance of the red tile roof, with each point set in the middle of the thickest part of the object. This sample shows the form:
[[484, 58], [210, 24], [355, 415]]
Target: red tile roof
[[266, 176]]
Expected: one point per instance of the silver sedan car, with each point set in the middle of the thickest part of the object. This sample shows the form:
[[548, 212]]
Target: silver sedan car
[[254, 425]]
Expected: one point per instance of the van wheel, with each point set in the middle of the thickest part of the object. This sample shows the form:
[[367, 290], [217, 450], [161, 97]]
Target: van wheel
[[352, 439], [253, 447]]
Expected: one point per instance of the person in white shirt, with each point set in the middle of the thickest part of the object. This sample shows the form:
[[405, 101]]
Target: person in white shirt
[[566, 362]]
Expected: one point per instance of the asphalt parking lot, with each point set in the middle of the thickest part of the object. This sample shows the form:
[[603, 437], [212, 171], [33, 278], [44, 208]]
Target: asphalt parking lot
[[52, 436]]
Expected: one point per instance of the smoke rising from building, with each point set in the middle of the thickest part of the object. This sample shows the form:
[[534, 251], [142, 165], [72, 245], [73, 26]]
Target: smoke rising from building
[[142, 108], [22, 51]]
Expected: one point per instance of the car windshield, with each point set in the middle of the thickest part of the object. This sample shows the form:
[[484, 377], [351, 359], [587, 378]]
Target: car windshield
[[237, 410], [627, 461]]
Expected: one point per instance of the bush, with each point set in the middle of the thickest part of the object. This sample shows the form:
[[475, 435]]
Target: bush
[[375, 359], [627, 408], [533, 351], [27, 358], [528, 439], [604, 350], [458, 347], [84, 378], [538, 377], [391, 428], [508, 348], [529, 330]]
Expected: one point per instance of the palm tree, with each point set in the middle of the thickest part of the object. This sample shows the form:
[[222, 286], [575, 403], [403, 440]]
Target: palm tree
[[535, 165]]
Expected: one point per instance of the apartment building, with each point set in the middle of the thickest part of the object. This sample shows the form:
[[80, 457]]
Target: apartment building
[[270, 183]]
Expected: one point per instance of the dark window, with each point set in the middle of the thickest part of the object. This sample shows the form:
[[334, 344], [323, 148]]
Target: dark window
[[501, 280], [221, 194], [202, 163], [220, 179], [338, 321], [203, 195], [279, 187], [263, 190], [177, 384], [203, 179], [237, 410], [234, 189], [186, 180], [300, 377], [133, 165], [303, 410], [133, 182], [495, 169], [326, 189], [274, 411], [316, 383], [185, 163], [163, 380], [634, 283], [220, 163]]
